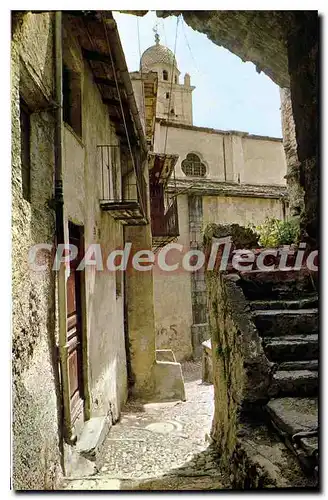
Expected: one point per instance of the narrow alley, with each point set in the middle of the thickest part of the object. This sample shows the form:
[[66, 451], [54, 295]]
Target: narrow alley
[[165, 288], [160, 445]]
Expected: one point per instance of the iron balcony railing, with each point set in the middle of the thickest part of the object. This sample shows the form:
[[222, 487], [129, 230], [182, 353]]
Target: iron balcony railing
[[166, 225], [123, 187]]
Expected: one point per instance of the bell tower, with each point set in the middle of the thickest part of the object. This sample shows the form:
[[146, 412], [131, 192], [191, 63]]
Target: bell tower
[[174, 99]]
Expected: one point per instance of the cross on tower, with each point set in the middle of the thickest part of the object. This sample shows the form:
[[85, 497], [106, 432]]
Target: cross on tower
[[155, 30]]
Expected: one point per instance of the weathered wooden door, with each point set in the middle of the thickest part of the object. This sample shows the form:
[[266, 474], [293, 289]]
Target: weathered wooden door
[[74, 324]]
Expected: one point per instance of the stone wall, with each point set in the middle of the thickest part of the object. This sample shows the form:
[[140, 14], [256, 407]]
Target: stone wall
[[303, 65], [295, 191], [36, 401], [172, 298], [241, 371], [38, 453]]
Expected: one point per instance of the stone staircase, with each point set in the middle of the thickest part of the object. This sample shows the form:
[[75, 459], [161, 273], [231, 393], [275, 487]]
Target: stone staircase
[[284, 309]]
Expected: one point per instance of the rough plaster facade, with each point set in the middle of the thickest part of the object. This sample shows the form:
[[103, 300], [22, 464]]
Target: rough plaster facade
[[36, 402], [37, 405], [48, 424], [82, 191]]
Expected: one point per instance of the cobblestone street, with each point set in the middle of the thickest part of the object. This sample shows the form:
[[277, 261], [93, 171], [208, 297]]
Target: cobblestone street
[[160, 445]]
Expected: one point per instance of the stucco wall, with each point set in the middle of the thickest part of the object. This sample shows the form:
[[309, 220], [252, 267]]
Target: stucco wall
[[264, 162], [104, 310], [37, 407], [234, 209], [36, 456], [228, 157], [231, 157], [172, 290], [172, 298]]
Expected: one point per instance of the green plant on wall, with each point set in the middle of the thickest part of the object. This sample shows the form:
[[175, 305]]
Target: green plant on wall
[[274, 232]]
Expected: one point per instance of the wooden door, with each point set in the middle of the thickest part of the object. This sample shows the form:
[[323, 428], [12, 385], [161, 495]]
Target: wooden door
[[74, 324]]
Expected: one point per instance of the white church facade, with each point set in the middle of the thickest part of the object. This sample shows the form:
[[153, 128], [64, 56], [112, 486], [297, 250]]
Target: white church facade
[[219, 176]]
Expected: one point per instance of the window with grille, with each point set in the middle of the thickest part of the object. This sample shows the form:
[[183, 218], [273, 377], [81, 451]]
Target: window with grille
[[192, 166]]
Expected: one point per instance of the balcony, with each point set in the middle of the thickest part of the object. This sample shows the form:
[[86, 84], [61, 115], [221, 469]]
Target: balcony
[[164, 221], [123, 187], [163, 210]]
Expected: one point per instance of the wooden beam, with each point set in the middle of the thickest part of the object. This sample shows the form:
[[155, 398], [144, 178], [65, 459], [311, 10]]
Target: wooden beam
[[111, 102], [107, 82], [115, 119], [114, 102], [91, 55]]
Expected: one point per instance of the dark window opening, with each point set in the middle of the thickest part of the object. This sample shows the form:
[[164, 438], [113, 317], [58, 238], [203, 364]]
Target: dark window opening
[[193, 166], [25, 129], [72, 104], [172, 111], [175, 79], [167, 95], [165, 75]]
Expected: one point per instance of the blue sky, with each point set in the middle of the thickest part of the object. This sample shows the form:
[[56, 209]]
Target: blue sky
[[229, 94]]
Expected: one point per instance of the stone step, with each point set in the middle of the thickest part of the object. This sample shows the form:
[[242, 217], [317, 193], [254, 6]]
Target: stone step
[[296, 420], [310, 445], [311, 364], [294, 415], [93, 435], [286, 322], [292, 347], [294, 383], [277, 284], [303, 303]]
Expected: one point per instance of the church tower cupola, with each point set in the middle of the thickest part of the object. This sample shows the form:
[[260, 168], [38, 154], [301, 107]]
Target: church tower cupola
[[174, 100]]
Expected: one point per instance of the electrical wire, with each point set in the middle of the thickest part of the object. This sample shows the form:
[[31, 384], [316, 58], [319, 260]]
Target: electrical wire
[[192, 56], [170, 96], [171, 86], [122, 110], [142, 83]]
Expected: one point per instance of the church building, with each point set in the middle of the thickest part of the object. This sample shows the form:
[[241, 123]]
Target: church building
[[220, 176]]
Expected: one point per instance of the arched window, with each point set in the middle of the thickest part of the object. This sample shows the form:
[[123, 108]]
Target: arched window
[[165, 75], [193, 166]]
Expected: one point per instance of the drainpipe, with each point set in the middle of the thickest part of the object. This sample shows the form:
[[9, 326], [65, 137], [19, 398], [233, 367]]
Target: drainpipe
[[60, 234]]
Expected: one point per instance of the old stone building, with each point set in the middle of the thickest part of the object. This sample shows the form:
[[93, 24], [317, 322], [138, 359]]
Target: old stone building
[[220, 176], [92, 162], [81, 338]]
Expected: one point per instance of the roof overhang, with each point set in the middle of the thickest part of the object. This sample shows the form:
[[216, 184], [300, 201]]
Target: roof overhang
[[161, 167], [101, 46]]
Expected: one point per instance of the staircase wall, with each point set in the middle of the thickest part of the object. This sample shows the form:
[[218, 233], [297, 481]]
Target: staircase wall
[[241, 371]]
